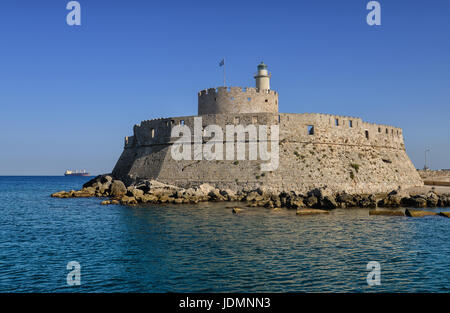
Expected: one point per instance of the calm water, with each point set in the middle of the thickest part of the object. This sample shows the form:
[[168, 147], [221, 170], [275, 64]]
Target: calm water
[[205, 248]]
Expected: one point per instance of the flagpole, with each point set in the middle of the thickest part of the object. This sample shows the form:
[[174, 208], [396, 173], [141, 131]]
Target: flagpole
[[224, 73]]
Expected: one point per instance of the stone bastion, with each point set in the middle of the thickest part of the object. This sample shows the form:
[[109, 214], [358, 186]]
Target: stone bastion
[[315, 150]]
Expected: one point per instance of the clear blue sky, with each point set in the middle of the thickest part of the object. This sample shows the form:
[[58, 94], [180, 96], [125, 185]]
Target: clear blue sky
[[68, 95]]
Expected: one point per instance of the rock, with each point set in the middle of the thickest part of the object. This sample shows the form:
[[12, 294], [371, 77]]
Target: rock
[[236, 210], [391, 201], [90, 190], [105, 202], [214, 195], [418, 213], [311, 201], [126, 200], [368, 201], [311, 211], [81, 194], [387, 212], [253, 196], [228, 194], [118, 188], [104, 179], [98, 181], [446, 214], [115, 202], [346, 199], [415, 201], [148, 198], [205, 189], [136, 193], [432, 199], [61, 194], [328, 202]]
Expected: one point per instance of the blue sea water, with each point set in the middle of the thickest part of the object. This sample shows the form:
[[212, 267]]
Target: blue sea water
[[205, 248]]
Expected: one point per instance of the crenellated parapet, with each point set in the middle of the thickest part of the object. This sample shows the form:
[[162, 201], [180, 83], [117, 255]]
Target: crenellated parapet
[[312, 128], [223, 100]]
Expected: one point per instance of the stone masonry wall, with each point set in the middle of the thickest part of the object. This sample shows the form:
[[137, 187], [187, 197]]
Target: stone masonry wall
[[315, 151], [237, 100]]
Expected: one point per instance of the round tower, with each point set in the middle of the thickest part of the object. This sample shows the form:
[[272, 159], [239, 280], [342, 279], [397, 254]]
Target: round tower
[[263, 77], [234, 100]]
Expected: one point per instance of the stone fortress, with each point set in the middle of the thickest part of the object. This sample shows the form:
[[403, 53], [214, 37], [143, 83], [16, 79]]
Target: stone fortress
[[342, 153]]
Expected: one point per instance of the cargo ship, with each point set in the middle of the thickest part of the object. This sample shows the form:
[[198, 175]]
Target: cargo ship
[[76, 173]]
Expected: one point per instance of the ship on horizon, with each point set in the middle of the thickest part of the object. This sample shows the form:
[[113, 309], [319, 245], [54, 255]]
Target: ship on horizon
[[76, 173]]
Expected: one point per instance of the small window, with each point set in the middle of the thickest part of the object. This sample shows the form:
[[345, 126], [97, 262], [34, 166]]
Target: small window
[[379, 129], [167, 123], [279, 118], [181, 122], [392, 132], [153, 132], [367, 134], [172, 122], [350, 123], [254, 120], [336, 122], [387, 131], [267, 100], [311, 129]]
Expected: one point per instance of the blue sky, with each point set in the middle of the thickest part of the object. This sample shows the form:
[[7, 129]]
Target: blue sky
[[69, 94]]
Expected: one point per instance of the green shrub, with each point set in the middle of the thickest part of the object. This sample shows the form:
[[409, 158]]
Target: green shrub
[[355, 166]]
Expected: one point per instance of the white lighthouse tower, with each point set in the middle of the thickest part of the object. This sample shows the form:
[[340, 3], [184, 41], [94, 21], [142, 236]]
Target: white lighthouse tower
[[263, 77]]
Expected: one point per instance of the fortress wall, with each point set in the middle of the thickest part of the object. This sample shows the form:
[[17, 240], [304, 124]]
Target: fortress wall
[[334, 129], [325, 158], [237, 100]]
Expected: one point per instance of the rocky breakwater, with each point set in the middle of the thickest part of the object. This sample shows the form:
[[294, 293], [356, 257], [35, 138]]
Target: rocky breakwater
[[154, 192]]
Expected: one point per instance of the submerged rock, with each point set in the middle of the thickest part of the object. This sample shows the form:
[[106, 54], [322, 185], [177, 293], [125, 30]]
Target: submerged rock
[[419, 213], [236, 210], [387, 212], [311, 211]]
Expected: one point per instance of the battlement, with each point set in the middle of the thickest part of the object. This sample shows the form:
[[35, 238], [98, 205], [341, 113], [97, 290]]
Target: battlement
[[223, 100]]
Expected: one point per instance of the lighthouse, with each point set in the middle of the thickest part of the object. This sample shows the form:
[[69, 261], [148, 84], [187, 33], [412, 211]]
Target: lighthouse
[[263, 77]]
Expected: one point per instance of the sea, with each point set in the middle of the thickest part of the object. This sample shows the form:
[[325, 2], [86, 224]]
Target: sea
[[207, 248]]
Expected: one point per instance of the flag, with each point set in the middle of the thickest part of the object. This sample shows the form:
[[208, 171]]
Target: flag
[[222, 63]]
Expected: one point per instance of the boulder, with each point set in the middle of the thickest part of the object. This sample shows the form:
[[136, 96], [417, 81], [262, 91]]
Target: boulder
[[311, 211], [236, 210], [205, 189], [328, 202], [126, 200], [105, 202], [386, 212], [61, 194], [214, 195], [346, 199], [311, 201], [118, 188], [432, 199], [418, 213]]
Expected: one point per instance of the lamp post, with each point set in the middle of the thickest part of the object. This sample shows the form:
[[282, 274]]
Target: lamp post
[[425, 166]]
